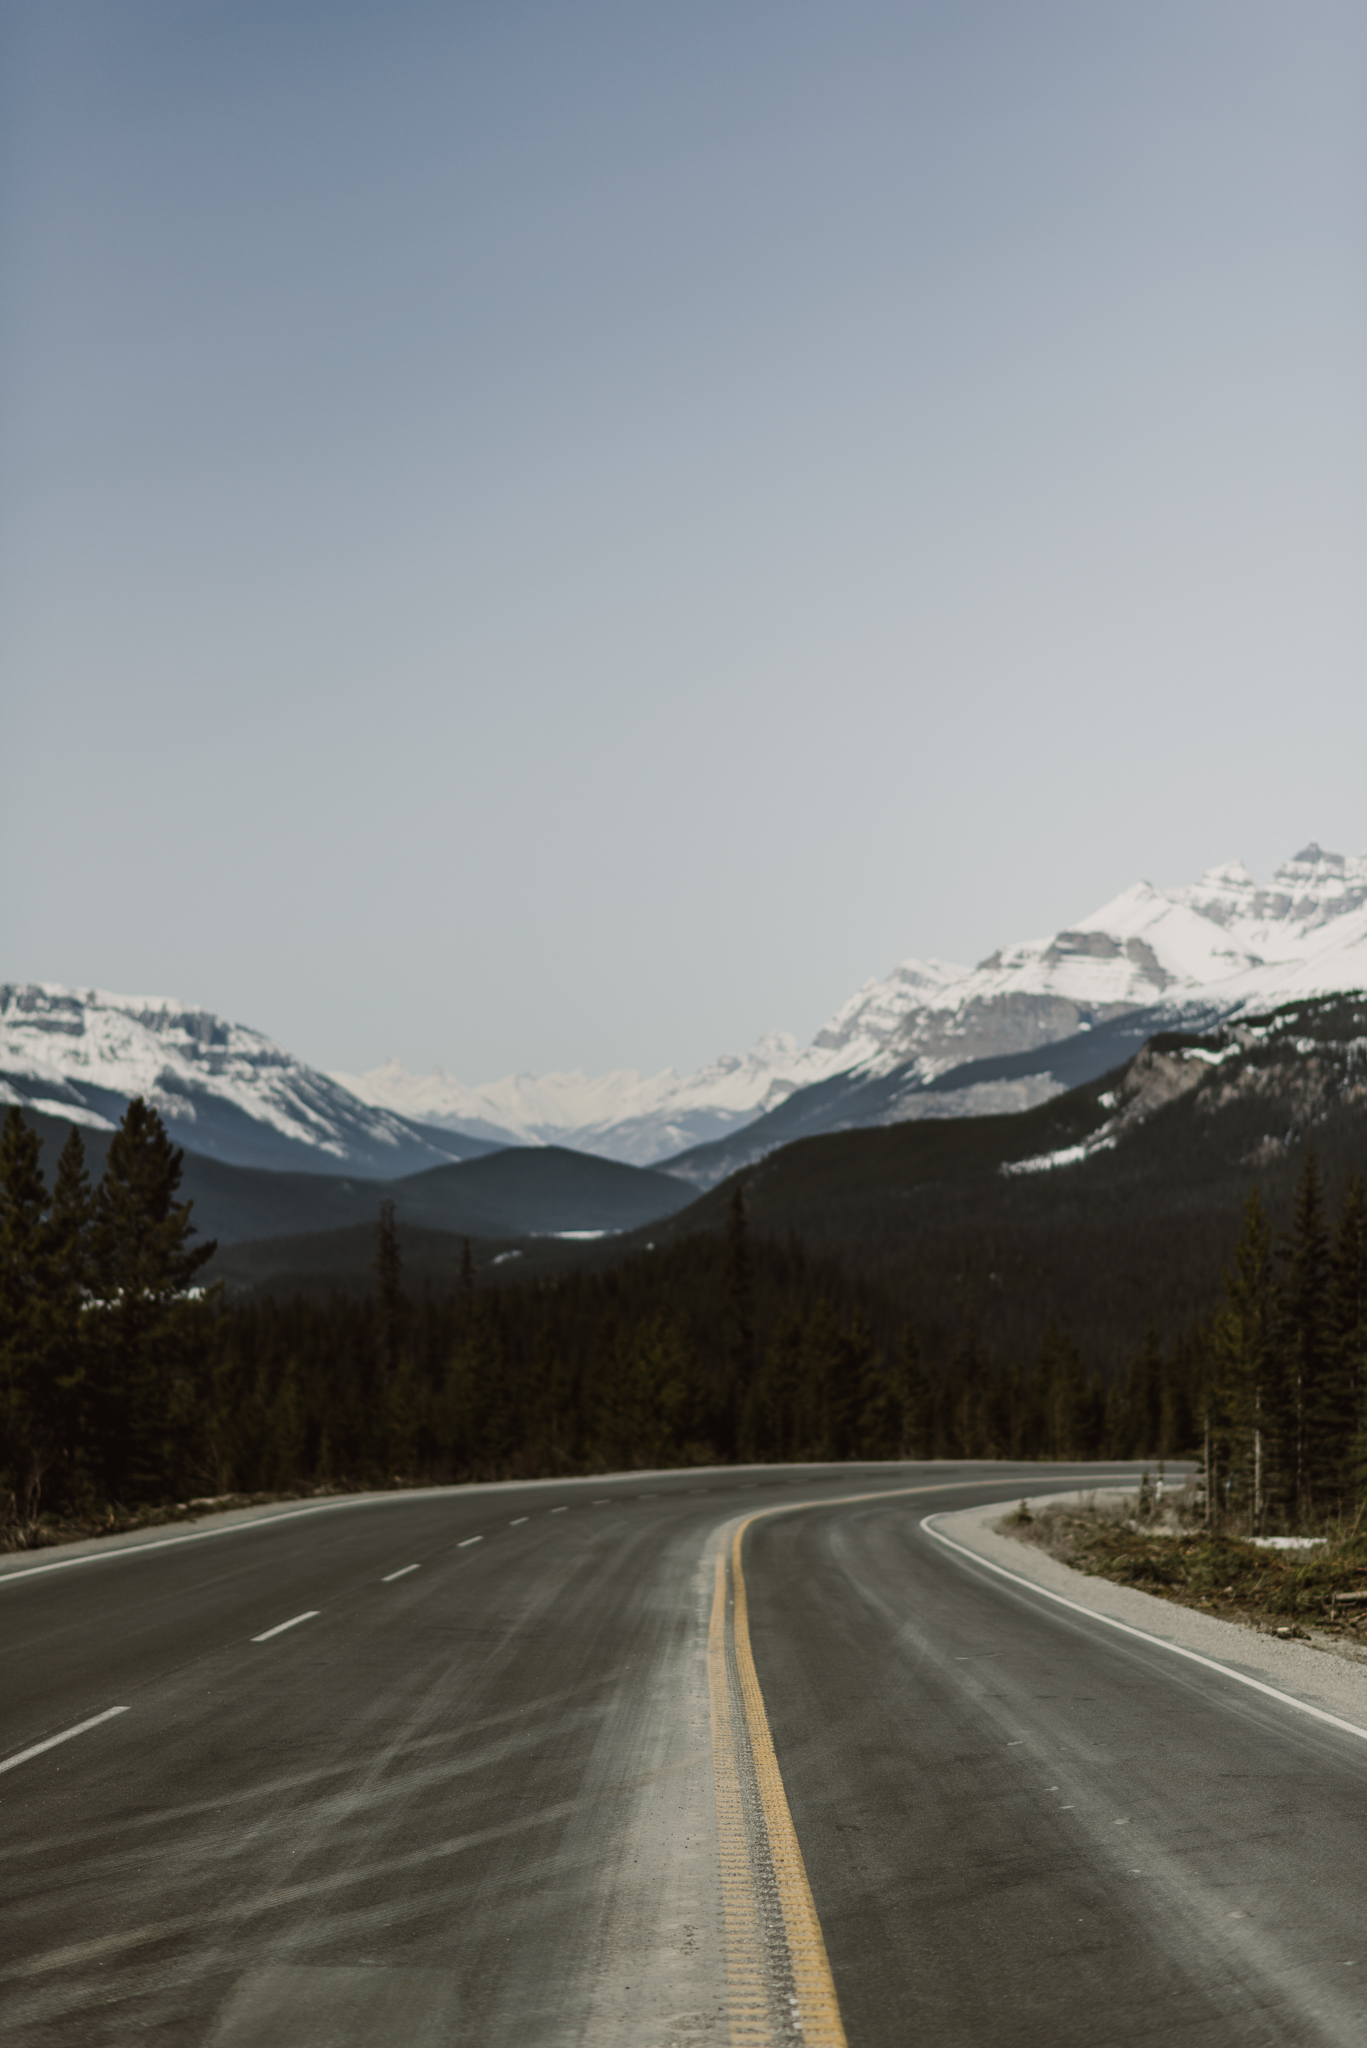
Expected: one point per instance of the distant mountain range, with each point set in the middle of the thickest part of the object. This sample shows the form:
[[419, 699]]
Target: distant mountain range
[[929, 1040]]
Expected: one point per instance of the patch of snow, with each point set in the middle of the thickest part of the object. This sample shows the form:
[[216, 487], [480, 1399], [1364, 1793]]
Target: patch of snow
[[1067, 1155], [71, 1113]]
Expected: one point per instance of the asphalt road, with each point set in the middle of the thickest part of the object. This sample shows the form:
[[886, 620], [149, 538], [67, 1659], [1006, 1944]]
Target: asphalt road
[[471, 1799]]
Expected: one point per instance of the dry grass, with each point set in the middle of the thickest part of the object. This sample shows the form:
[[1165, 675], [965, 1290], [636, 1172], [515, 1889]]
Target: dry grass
[[1169, 1553]]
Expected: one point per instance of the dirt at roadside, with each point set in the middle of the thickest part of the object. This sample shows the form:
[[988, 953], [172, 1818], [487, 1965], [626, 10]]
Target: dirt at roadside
[[1278, 1591], [116, 1521]]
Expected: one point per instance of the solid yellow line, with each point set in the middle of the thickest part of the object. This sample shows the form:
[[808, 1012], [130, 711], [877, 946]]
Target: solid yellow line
[[742, 1941], [818, 2007]]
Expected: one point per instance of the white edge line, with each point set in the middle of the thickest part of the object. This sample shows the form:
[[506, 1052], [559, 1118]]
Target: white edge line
[[66, 1735], [402, 1573], [465, 1545], [281, 1626], [1128, 1628], [324, 1507]]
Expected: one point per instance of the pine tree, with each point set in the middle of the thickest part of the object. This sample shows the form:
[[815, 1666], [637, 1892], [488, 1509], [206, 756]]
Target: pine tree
[[1255, 1437], [68, 1250], [23, 1305], [1348, 1329], [389, 1302], [851, 1392], [740, 1318], [820, 1360], [1147, 1397], [1304, 1334], [142, 1267], [1063, 1396], [24, 1203], [916, 1400], [769, 1423], [884, 1418]]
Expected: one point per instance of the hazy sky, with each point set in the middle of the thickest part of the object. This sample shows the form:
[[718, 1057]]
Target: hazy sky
[[542, 535]]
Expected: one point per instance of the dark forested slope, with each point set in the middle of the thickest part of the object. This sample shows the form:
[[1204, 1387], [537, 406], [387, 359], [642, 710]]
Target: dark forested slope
[[965, 1223]]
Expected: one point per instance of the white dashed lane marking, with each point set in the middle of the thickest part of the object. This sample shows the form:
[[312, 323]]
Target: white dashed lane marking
[[37, 1748], [281, 1626]]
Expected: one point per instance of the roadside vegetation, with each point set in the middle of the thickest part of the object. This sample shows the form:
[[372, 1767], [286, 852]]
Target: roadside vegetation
[[1163, 1545]]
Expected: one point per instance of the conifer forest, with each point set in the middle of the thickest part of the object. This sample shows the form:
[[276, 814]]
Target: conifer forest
[[125, 1382]]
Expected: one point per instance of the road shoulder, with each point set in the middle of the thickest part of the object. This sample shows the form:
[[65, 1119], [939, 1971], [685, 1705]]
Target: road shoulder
[[1315, 1677]]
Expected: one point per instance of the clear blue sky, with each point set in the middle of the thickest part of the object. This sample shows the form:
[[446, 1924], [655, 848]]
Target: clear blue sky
[[543, 535]]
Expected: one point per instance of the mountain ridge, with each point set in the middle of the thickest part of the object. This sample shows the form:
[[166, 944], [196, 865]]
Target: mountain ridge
[[1211, 948], [223, 1090], [1222, 946]]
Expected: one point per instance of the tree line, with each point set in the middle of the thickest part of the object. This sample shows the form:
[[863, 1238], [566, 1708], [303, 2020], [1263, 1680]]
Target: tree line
[[1280, 1392], [122, 1382]]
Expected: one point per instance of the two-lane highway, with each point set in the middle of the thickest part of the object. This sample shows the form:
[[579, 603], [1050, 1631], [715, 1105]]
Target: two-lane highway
[[448, 1767]]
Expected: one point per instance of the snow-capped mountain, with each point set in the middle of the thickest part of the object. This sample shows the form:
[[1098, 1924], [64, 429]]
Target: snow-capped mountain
[[624, 1114], [1043, 1016], [643, 1119], [929, 1039], [1224, 939], [1223, 944], [80, 1054]]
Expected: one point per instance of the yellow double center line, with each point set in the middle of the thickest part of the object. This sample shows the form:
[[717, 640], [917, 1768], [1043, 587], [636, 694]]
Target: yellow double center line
[[779, 1984]]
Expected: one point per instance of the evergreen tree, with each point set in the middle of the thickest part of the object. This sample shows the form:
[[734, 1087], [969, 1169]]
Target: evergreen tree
[[740, 1318], [915, 1397], [852, 1390], [1256, 1442], [896, 1419], [23, 1291], [1147, 1397], [770, 1420], [142, 1267], [389, 1302], [1348, 1330], [1064, 1396], [820, 1360], [69, 1274], [1304, 1334]]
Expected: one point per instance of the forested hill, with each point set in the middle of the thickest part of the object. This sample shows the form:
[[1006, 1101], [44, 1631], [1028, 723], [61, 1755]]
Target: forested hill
[[504, 1194], [1113, 1204]]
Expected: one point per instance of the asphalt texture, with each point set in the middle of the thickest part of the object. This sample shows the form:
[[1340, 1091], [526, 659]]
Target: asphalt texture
[[473, 1803]]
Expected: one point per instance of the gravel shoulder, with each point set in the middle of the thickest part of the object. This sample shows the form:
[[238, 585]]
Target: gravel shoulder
[[1322, 1673]]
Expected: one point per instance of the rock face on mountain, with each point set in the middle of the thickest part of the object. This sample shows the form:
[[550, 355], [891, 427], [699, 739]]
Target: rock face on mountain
[[225, 1091], [932, 1039]]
